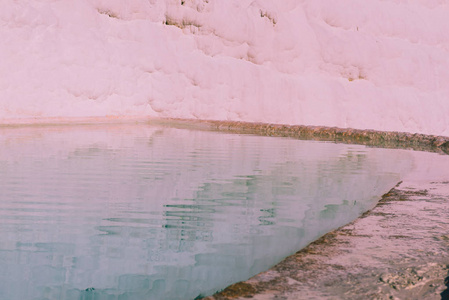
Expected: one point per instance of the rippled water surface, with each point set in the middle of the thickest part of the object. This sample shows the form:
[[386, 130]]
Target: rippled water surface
[[152, 212]]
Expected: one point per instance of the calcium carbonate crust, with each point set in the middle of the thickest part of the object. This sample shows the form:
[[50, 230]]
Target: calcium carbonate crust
[[374, 64]]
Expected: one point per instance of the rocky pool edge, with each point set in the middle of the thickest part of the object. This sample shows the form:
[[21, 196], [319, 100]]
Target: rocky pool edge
[[397, 250], [368, 137]]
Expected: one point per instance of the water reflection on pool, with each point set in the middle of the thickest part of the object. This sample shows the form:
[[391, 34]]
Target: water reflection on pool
[[152, 212]]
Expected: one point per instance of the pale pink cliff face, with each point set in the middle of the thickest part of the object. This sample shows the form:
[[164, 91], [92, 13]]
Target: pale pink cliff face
[[363, 64]]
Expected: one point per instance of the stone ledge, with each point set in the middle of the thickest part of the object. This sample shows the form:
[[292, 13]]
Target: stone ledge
[[384, 139]]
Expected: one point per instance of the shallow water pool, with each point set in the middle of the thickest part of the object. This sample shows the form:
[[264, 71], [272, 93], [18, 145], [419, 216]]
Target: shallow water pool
[[153, 212]]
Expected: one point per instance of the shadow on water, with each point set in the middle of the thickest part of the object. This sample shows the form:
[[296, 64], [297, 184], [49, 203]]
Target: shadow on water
[[445, 293]]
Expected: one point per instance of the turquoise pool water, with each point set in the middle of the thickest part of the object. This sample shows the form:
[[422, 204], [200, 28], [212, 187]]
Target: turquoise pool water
[[153, 212]]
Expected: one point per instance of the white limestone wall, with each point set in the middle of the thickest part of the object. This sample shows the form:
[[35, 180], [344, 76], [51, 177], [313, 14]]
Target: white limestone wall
[[362, 64]]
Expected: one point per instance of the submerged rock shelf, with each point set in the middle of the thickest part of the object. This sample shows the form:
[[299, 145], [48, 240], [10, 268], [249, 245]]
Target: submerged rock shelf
[[398, 250]]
